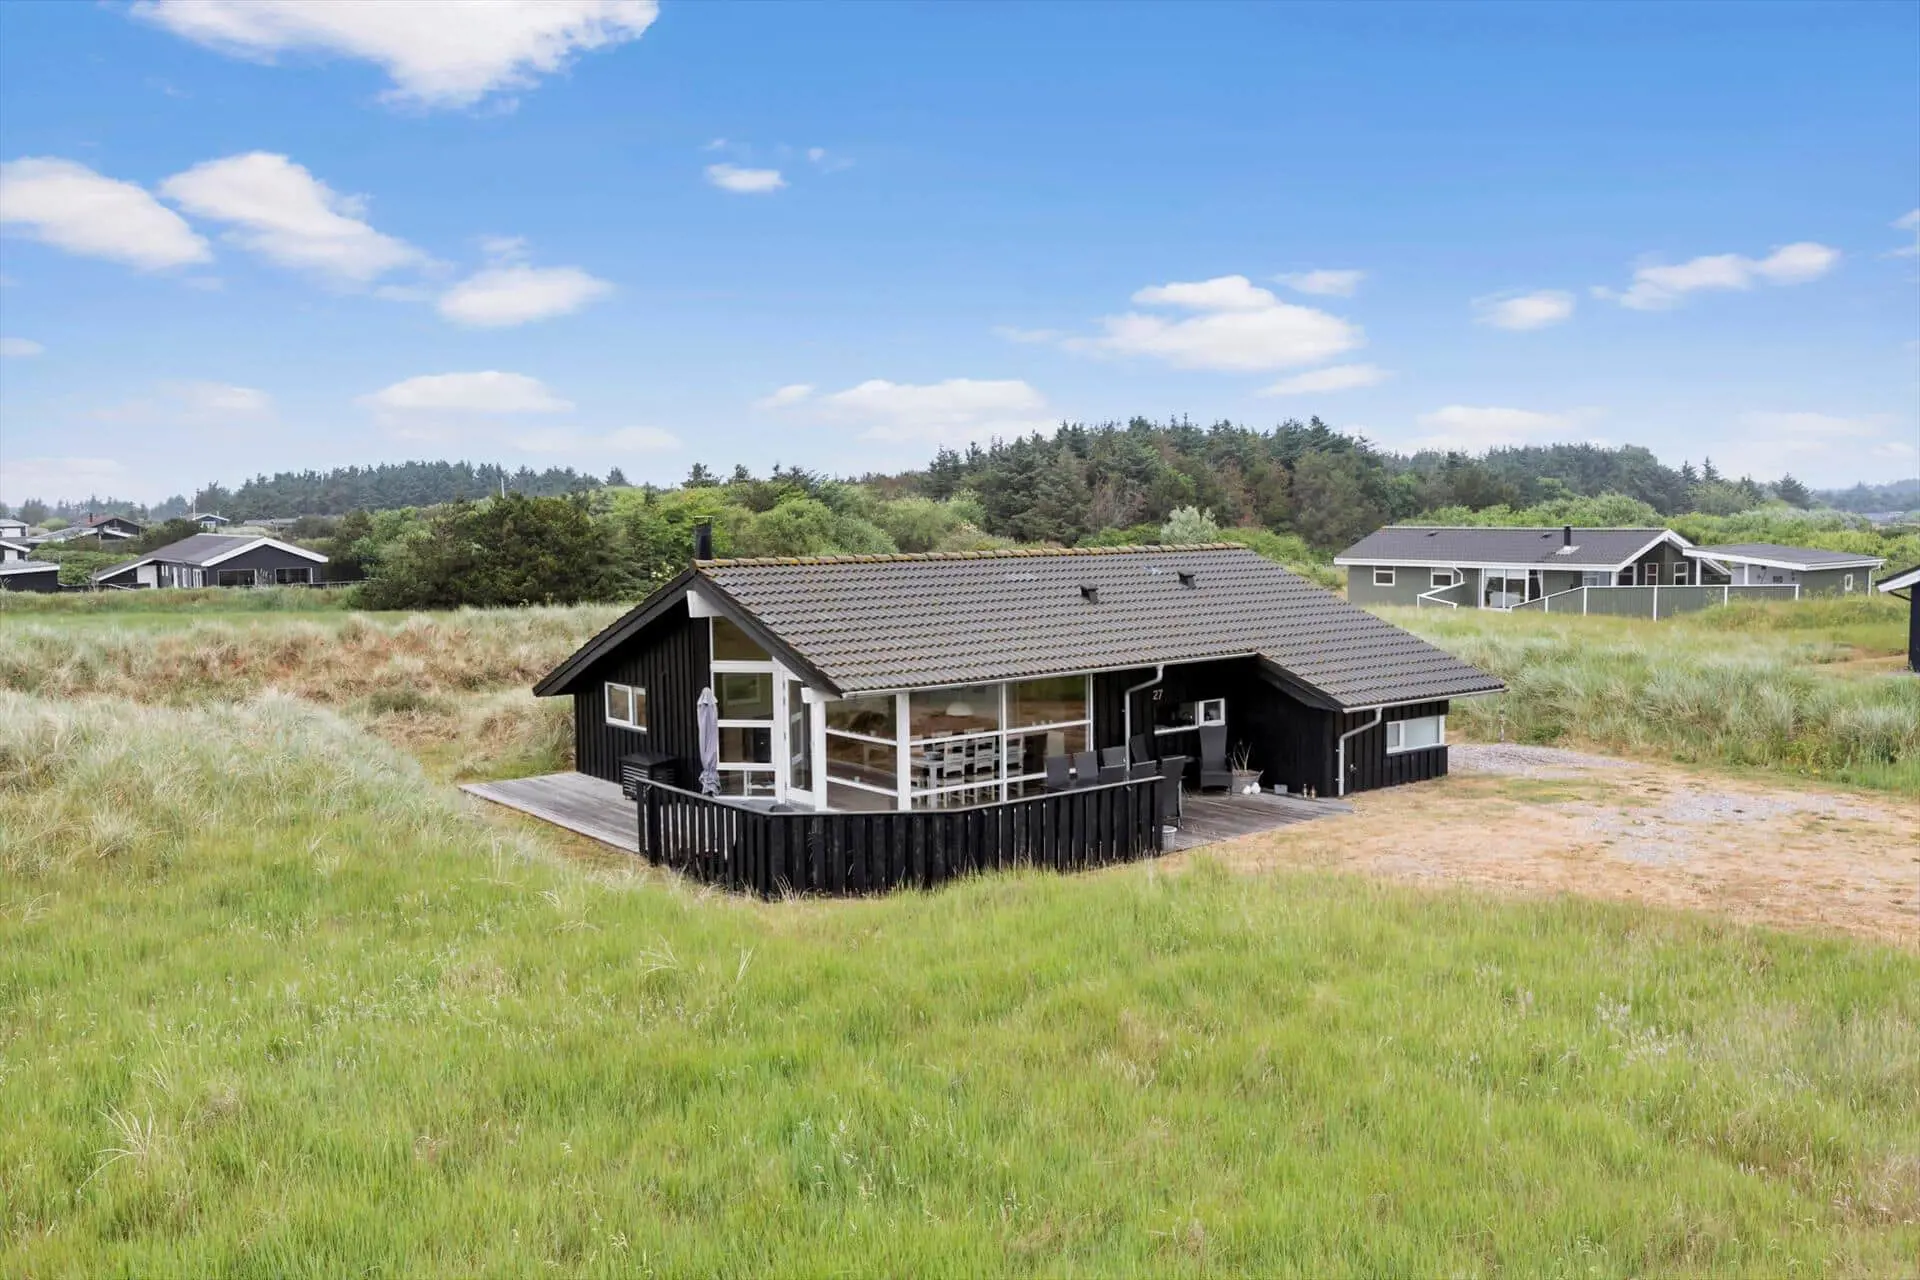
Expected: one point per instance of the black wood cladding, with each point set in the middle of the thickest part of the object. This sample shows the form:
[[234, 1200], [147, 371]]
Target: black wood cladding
[[758, 851], [669, 660]]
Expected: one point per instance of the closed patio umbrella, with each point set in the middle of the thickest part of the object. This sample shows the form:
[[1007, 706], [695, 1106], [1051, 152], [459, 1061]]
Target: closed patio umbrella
[[709, 720]]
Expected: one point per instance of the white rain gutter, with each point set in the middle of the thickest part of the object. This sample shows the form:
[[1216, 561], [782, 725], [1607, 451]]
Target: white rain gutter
[[1126, 706], [1379, 714]]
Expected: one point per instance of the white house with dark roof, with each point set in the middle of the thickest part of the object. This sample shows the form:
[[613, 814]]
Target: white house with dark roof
[[218, 560]]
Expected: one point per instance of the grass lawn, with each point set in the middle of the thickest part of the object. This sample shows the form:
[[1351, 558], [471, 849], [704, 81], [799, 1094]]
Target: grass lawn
[[273, 1003], [1814, 688]]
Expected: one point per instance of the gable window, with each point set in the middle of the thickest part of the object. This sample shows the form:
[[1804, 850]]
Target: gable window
[[1416, 734], [1442, 578], [731, 644], [627, 706], [1383, 577], [1680, 573]]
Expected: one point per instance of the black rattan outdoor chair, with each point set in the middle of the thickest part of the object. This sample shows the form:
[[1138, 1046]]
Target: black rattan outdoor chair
[[1214, 770]]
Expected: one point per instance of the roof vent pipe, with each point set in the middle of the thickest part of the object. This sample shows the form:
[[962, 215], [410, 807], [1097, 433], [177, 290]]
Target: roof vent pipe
[[1566, 535], [1188, 579], [703, 541], [1090, 594]]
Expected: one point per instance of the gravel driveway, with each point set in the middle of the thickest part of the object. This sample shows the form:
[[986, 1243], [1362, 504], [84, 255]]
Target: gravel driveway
[[1536, 820]]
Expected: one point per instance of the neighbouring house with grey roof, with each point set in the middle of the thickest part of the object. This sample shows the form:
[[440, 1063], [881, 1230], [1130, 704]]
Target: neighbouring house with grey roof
[[105, 529], [209, 521], [1813, 571], [1504, 568], [20, 573], [948, 682], [13, 528], [218, 560]]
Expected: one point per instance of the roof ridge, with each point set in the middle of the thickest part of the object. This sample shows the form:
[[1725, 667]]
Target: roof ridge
[[997, 553], [1534, 528]]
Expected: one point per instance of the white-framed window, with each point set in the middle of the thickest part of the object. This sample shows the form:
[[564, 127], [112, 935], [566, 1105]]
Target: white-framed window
[[1442, 578], [1416, 734], [299, 575], [1846, 583], [1383, 577], [1596, 578], [627, 706], [1680, 573], [743, 683]]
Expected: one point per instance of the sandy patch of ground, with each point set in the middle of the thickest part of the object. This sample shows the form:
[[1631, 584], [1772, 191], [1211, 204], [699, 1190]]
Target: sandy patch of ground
[[1536, 820]]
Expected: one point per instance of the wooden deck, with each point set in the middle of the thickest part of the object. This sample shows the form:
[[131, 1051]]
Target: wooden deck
[[592, 807], [595, 808], [1213, 817]]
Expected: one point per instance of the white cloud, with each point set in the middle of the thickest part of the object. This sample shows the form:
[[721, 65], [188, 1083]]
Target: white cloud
[[60, 478], [1474, 428], [1240, 326], [214, 405], [731, 177], [450, 53], [625, 440], [1337, 284], [786, 396], [1013, 334], [284, 213], [508, 295], [487, 392], [1339, 377], [219, 399], [958, 409], [70, 207], [1525, 310], [1657, 287], [1222, 293], [20, 348], [1908, 222], [1821, 448]]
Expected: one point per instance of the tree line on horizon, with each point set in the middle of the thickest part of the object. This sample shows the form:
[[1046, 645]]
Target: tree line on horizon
[[1323, 484]]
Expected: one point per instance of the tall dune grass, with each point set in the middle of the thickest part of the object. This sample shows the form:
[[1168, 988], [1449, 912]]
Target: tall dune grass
[[1768, 691], [273, 1004], [360, 657]]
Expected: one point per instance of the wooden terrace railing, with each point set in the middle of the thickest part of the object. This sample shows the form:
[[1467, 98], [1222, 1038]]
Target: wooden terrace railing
[[755, 850]]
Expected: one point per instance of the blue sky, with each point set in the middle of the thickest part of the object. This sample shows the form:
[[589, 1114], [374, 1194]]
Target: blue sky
[[239, 237]]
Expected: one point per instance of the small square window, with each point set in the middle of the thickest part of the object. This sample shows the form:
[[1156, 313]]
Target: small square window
[[627, 706], [1383, 577], [1442, 578]]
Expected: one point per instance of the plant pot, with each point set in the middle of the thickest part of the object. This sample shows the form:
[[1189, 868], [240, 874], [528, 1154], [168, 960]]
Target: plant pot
[[1244, 778]]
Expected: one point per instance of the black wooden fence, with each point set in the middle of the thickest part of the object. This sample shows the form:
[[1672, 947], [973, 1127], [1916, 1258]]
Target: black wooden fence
[[759, 851]]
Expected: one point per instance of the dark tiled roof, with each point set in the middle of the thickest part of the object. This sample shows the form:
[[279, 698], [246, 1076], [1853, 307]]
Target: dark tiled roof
[[1414, 544], [1803, 557], [27, 566], [198, 550], [892, 622]]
